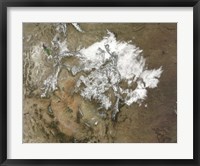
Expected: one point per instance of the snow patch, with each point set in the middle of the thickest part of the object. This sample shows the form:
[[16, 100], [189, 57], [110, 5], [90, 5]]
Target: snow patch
[[111, 61]]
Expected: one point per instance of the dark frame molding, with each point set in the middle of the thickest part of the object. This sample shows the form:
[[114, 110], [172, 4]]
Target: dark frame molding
[[98, 3]]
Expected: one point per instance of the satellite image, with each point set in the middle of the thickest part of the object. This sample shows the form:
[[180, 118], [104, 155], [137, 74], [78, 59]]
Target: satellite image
[[99, 83]]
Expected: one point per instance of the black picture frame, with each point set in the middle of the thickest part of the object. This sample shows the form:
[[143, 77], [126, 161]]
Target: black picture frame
[[98, 3]]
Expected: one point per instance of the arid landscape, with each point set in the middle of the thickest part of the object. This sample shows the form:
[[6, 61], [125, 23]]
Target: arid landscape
[[99, 83]]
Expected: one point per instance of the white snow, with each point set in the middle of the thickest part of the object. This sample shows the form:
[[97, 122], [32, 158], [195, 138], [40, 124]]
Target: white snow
[[150, 77], [78, 28], [127, 64], [107, 63]]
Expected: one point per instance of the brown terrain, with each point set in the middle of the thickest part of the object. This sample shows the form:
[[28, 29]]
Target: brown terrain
[[65, 117]]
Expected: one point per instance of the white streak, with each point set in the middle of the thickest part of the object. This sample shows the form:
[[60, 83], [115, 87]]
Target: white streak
[[78, 28]]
